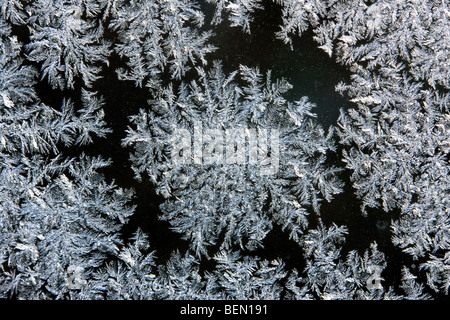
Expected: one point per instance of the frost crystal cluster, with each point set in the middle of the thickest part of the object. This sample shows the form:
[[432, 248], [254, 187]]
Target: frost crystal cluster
[[232, 166]]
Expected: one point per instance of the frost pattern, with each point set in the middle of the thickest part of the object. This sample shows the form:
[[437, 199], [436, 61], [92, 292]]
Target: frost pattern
[[397, 137], [155, 35], [208, 200], [68, 41], [61, 218]]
